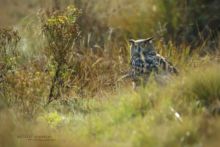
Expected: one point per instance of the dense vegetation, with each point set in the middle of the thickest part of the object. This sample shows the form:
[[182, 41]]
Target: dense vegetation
[[61, 69]]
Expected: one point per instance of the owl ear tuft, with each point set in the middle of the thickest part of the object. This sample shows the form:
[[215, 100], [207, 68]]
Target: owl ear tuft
[[149, 40], [131, 41]]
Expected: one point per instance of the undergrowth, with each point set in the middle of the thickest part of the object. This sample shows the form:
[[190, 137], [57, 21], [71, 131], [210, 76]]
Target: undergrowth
[[61, 82], [174, 115]]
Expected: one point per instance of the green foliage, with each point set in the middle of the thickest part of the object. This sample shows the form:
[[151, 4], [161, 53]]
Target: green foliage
[[53, 119], [204, 88], [9, 39], [61, 30], [154, 116]]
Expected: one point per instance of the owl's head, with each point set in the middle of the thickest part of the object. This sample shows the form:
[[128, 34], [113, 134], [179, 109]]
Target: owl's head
[[141, 45]]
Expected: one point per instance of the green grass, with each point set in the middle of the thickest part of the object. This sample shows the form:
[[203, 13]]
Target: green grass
[[173, 115]]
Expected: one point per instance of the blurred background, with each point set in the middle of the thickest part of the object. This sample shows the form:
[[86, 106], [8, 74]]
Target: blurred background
[[62, 63], [186, 21]]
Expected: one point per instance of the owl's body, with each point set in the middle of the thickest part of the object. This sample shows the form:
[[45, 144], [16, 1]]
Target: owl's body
[[145, 60]]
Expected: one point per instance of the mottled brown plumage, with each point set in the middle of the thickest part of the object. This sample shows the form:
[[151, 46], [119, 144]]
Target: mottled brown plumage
[[145, 60]]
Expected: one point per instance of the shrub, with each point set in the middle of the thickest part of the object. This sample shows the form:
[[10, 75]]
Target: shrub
[[9, 39], [61, 30]]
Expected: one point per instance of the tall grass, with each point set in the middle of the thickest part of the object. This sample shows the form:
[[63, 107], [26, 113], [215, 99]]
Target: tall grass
[[165, 116]]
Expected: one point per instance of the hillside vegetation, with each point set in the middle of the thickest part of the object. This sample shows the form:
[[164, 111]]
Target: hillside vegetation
[[61, 69]]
